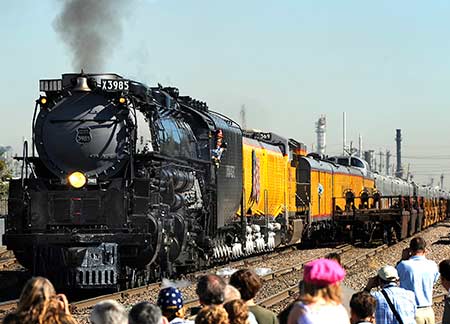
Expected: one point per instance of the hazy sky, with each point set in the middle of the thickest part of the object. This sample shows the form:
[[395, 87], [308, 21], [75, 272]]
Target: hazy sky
[[386, 63]]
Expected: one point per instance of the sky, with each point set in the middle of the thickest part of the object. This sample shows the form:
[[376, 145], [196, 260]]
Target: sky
[[385, 63]]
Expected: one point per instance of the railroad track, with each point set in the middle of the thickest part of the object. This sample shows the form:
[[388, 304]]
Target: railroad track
[[293, 289], [195, 302], [87, 303], [266, 302], [80, 305], [289, 292], [125, 294]]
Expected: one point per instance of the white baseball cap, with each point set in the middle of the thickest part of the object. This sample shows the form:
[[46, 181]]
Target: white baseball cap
[[388, 273]]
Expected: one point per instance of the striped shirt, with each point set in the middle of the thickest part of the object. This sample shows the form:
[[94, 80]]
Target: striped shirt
[[404, 303]]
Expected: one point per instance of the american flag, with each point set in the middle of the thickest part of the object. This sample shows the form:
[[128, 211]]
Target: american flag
[[255, 178]]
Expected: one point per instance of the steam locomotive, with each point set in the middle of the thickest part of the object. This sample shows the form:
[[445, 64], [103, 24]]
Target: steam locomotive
[[131, 183]]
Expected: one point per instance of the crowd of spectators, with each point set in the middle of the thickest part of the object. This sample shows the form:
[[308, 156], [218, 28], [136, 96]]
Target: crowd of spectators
[[396, 295]]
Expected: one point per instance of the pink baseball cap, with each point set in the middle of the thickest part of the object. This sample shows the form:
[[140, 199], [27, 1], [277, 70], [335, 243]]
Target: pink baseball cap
[[323, 272]]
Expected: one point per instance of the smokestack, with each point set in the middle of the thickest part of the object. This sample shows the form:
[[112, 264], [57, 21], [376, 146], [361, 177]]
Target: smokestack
[[388, 161], [321, 131], [91, 29], [442, 181], [398, 140], [243, 117], [368, 156], [381, 161], [344, 133]]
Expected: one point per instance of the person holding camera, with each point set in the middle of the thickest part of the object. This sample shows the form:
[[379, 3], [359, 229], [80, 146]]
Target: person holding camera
[[395, 305], [419, 275]]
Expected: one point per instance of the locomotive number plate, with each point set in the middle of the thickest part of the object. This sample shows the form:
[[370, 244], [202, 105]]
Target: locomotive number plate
[[115, 85], [263, 136]]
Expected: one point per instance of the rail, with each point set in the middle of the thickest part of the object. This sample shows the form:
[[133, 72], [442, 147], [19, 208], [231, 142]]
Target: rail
[[87, 303], [290, 291], [83, 304], [271, 276], [266, 302]]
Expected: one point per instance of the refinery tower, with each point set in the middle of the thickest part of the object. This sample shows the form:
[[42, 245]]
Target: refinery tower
[[321, 131]]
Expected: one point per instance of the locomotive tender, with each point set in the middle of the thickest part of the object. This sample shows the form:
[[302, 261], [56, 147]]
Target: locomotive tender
[[132, 183]]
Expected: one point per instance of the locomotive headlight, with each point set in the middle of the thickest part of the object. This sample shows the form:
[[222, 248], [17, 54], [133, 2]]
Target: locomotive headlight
[[122, 100], [43, 101], [77, 179]]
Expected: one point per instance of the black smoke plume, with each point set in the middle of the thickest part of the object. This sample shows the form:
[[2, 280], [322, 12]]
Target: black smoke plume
[[91, 29]]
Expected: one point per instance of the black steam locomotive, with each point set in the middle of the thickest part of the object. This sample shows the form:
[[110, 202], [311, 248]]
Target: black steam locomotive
[[126, 186]]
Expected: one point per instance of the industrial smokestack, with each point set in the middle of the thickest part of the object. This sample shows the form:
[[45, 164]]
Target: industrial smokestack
[[442, 181], [91, 29], [381, 161], [243, 117], [398, 140], [368, 156], [321, 131], [388, 161]]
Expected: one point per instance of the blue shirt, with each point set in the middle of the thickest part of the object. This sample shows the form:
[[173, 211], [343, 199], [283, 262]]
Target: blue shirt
[[403, 301], [419, 274]]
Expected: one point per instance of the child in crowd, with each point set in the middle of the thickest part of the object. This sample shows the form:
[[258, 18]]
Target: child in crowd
[[362, 308], [170, 300]]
